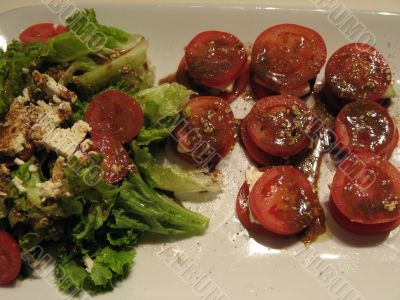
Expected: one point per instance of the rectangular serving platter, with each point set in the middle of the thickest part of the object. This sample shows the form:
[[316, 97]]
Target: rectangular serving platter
[[227, 263]]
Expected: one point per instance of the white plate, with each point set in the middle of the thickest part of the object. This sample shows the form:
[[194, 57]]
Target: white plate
[[226, 263]]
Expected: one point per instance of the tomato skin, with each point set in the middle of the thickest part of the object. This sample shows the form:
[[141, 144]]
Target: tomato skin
[[41, 32], [116, 162], [215, 58], [242, 211], [357, 72], [253, 151], [239, 85], [10, 258], [366, 189], [358, 228], [115, 113], [208, 127], [287, 210], [270, 56], [280, 125], [365, 126]]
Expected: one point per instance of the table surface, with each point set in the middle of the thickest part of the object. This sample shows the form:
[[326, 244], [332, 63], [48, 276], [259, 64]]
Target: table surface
[[382, 5]]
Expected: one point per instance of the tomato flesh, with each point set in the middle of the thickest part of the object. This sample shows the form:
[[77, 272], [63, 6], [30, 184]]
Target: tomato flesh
[[358, 228], [366, 189], [242, 211], [239, 84], [254, 152], [41, 33], [357, 72], [215, 58], [281, 200], [365, 126], [115, 114], [280, 125], [115, 158], [287, 56], [208, 127], [10, 258]]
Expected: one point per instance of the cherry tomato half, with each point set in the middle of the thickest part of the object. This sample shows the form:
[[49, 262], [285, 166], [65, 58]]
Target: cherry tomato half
[[41, 33], [281, 200], [115, 114], [242, 211], [366, 189], [208, 127], [366, 126], [116, 160], [215, 58], [287, 56], [357, 72], [10, 258], [280, 125]]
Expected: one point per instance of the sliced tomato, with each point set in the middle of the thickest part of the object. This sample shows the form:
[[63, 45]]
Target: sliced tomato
[[366, 189], [242, 211], [358, 228], [281, 200], [208, 127], [254, 152], [10, 258], [280, 125], [366, 126], [239, 85], [357, 72], [116, 114], [41, 33], [287, 56], [215, 58], [116, 161]]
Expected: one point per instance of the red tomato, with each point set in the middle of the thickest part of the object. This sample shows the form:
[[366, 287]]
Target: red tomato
[[358, 228], [242, 211], [366, 189], [215, 58], [281, 200], [287, 56], [116, 161], [115, 114], [365, 126], [357, 72], [239, 85], [254, 152], [280, 125], [208, 127], [41, 33], [10, 258]]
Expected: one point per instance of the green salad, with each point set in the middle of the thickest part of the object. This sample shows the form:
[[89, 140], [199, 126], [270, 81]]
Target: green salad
[[58, 198]]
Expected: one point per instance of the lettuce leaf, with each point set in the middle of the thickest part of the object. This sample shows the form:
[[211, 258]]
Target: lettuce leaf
[[163, 101], [156, 212], [12, 79], [164, 172]]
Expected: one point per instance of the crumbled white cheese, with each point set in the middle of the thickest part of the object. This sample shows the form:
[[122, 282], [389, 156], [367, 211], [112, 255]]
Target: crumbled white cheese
[[18, 185], [18, 162], [86, 144], [64, 141], [33, 168], [302, 91], [52, 87], [252, 176], [89, 263], [25, 71], [50, 189]]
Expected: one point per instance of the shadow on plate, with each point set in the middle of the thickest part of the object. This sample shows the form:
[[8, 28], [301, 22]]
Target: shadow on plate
[[351, 239]]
